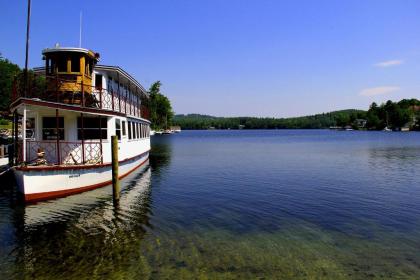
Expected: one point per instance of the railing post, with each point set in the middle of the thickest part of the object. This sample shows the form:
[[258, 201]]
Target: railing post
[[100, 99], [129, 96], [124, 97], [112, 98], [119, 94], [24, 134], [83, 95], [83, 138], [57, 125], [56, 87], [15, 136], [100, 139], [138, 104]]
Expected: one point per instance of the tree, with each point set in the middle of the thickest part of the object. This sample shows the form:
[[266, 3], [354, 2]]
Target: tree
[[8, 71], [161, 113]]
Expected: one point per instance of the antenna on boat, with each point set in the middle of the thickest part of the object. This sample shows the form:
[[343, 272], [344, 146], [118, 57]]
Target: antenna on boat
[[80, 30]]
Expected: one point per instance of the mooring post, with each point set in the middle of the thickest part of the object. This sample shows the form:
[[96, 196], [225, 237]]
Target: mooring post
[[115, 179]]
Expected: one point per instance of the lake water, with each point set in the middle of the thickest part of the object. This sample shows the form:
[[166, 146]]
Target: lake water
[[282, 204]]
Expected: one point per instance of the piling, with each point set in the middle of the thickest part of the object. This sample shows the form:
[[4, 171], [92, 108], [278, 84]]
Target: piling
[[115, 179]]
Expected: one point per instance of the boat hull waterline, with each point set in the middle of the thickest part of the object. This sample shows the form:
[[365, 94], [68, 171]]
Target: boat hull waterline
[[37, 184]]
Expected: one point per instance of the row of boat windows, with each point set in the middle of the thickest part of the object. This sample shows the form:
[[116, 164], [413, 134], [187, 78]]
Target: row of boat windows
[[93, 128], [136, 130], [68, 64], [111, 85]]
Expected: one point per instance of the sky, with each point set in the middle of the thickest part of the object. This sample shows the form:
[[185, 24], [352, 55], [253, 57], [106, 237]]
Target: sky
[[238, 57]]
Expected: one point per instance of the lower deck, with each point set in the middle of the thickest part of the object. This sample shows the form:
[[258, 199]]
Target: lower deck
[[50, 137]]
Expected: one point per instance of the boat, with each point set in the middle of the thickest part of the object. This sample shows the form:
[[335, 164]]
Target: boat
[[175, 129], [167, 131], [67, 114], [152, 132], [387, 129]]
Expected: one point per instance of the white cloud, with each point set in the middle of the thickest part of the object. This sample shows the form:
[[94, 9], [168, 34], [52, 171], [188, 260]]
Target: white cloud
[[389, 63], [378, 90]]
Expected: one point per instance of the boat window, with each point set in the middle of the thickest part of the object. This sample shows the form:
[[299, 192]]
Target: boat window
[[62, 64], [123, 129], [134, 130], [110, 84], [98, 81], [49, 128], [30, 128], [75, 64], [90, 64], [49, 66], [118, 128], [129, 130], [93, 128]]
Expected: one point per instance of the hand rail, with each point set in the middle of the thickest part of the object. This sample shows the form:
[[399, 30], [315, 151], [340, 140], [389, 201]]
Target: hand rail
[[45, 152], [73, 92]]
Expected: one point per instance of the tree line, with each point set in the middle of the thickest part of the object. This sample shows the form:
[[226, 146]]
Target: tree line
[[394, 115], [324, 120]]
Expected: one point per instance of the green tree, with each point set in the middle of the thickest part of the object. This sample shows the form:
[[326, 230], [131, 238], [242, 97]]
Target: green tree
[[8, 71], [161, 113]]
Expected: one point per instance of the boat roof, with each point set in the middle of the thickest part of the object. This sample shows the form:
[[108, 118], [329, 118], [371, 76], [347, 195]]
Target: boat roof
[[70, 49], [121, 72]]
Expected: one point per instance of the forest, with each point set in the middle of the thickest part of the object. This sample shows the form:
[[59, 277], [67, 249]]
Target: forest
[[393, 115]]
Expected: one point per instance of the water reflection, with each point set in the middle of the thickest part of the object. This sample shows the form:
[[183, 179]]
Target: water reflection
[[51, 237], [161, 153]]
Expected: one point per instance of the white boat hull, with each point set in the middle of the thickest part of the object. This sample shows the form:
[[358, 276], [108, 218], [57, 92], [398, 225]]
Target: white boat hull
[[41, 183]]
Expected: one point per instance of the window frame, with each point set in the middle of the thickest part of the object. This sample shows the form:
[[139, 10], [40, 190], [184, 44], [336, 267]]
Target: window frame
[[53, 128], [89, 128]]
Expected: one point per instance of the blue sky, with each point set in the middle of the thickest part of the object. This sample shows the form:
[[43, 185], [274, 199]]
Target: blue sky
[[239, 57]]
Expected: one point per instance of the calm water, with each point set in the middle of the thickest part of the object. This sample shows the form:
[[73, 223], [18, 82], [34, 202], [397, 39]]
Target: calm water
[[234, 205]]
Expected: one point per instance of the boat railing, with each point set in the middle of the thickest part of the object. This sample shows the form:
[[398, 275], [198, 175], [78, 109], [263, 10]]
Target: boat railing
[[70, 90], [52, 152]]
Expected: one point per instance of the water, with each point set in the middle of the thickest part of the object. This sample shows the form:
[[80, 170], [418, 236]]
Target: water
[[234, 205]]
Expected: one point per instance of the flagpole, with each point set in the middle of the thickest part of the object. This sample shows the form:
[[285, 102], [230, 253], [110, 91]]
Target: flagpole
[[80, 30]]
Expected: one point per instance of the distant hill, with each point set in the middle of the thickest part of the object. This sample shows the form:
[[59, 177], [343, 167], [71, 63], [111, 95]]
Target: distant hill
[[324, 120]]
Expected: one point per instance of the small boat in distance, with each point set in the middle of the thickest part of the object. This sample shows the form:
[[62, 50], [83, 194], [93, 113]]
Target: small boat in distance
[[167, 131], [176, 128]]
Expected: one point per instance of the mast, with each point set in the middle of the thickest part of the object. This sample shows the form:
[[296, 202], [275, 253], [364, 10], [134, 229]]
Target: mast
[[28, 21]]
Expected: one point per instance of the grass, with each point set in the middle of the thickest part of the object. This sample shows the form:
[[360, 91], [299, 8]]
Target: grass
[[5, 124]]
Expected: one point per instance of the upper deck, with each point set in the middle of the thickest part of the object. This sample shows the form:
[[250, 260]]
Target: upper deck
[[72, 80]]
